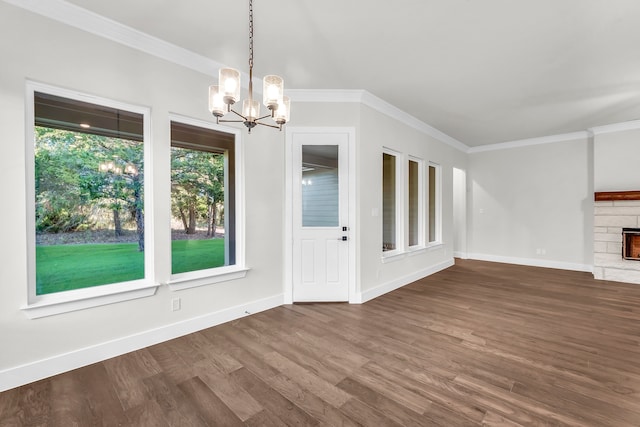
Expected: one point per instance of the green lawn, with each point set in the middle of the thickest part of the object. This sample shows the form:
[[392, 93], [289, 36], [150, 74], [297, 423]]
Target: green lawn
[[66, 267]]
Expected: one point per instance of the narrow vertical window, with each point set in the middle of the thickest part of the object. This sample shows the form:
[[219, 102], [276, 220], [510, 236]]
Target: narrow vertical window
[[389, 202], [89, 195], [415, 202], [434, 203], [203, 214]]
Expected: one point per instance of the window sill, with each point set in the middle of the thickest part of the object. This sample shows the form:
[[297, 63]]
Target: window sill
[[80, 299], [434, 246], [417, 250], [206, 277], [391, 257]]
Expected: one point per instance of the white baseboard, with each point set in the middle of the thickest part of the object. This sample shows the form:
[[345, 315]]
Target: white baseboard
[[403, 281], [25, 374], [534, 262], [461, 255]]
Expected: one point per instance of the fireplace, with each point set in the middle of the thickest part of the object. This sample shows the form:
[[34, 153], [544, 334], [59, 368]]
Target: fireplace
[[631, 243], [616, 238]]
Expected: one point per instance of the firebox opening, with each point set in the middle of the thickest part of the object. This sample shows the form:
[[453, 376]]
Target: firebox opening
[[631, 244]]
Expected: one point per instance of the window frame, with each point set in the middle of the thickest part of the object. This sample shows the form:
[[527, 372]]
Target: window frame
[[37, 306], [399, 205], [238, 270], [421, 214], [437, 241]]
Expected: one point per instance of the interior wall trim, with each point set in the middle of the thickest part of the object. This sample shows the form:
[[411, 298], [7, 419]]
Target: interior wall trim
[[534, 262], [572, 136], [83, 19], [616, 127], [34, 371], [370, 100]]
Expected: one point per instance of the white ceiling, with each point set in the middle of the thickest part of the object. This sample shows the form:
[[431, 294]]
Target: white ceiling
[[482, 72]]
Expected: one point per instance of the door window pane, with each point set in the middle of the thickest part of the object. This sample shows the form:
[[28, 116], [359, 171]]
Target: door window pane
[[320, 186]]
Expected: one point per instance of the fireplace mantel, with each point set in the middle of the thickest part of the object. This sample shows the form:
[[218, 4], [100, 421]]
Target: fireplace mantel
[[609, 196]]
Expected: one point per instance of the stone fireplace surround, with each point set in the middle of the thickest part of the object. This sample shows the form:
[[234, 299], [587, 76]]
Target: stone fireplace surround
[[614, 211]]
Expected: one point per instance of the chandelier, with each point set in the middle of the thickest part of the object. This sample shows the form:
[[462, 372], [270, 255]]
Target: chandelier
[[227, 92]]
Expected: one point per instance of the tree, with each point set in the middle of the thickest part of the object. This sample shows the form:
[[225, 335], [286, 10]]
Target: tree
[[197, 187], [70, 184]]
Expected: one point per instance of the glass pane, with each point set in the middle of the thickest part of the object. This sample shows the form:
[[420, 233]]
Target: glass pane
[[414, 200], [89, 218], [320, 189], [432, 204], [388, 202], [202, 189]]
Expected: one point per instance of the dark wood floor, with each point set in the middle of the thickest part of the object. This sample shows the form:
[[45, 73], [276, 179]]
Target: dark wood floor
[[478, 344]]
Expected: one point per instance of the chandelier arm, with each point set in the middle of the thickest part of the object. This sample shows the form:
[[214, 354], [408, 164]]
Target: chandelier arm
[[263, 117], [238, 114], [230, 121], [269, 125]]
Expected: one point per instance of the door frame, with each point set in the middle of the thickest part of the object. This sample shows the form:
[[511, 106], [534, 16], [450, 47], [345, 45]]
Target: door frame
[[354, 297]]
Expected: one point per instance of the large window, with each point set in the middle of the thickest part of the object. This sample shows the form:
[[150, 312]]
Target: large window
[[87, 195], [203, 214], [416, 202]]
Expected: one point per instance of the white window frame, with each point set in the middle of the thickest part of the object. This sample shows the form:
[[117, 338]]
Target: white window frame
[[239, 270], [421, 205], [399, 208], [37, 306], [438, 208]]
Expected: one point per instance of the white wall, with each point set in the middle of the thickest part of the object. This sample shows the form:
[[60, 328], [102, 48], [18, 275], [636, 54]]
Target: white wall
[[378, 131], [36, 48], [529, 198], [49, 52], [460, 212], [616, 157]]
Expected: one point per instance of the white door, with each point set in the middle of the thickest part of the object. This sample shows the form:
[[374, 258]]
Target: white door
[[320, 217]]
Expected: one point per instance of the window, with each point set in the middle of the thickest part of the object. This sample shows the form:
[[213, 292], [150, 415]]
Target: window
[[416, 203], [87, 190], [434, 203], [391, 203], [202, 185]]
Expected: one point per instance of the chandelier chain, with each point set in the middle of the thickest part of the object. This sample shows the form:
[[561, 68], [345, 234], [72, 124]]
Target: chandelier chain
[[250, 34]]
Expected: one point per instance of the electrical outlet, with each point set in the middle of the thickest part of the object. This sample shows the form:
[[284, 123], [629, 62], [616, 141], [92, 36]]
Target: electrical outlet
[[175, 304]]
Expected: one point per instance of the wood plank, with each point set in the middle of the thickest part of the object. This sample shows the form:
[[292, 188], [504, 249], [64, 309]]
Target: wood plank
[[477, 344]]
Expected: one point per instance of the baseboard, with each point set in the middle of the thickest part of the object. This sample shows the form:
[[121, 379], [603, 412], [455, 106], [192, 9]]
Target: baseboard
[[403, 281], [534, 262], [461, 255], [25, 374]]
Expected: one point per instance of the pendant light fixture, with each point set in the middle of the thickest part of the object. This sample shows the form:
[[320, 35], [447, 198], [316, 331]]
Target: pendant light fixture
[[227, 92]]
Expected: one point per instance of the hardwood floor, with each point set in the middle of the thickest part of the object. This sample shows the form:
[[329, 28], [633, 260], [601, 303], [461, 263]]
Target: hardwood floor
[[478, 344]]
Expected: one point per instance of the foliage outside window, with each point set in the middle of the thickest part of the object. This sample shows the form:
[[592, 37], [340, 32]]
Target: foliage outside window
[[202, 196], [89, 195], [389, 214]]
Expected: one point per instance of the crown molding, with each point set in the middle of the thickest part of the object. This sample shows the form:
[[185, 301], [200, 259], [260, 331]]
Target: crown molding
[[366, 98], [572, 136], [325, 95], [616, 127], [83, 19]]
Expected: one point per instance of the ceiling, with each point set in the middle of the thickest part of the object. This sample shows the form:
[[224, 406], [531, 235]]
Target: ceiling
[[482, 72]]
